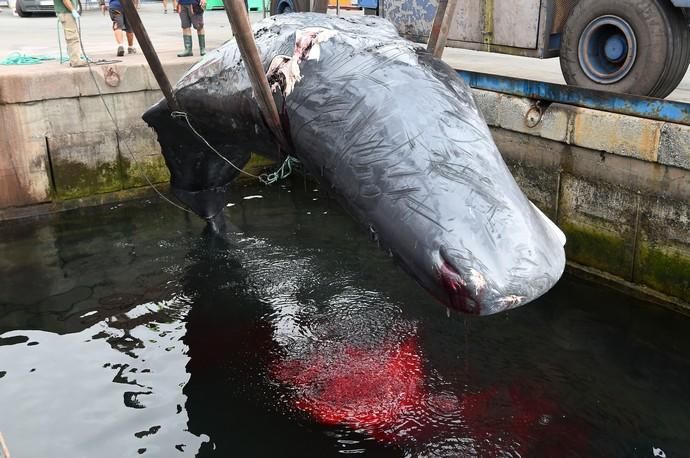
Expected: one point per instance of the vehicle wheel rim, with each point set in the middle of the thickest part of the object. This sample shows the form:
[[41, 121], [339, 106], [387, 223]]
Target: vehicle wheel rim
[[607, 49]]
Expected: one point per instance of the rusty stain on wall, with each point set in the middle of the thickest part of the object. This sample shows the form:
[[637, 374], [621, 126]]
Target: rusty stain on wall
[[24, 176]]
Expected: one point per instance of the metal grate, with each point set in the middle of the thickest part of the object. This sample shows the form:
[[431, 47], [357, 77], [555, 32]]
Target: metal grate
[[562, 10]]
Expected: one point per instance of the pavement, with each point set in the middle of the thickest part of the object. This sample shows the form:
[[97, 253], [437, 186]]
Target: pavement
[[38, 36]]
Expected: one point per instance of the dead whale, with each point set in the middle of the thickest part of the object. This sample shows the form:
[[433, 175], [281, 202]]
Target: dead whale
[[388, 130]]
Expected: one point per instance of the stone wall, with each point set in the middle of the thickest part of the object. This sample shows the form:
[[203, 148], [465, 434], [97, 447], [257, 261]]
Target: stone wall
[[618, 186], [58, 141]]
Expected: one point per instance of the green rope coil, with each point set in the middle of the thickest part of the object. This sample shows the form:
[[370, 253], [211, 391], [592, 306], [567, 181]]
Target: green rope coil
[[17, 58]]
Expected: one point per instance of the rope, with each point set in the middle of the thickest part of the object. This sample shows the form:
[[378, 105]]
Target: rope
[[59, 40], [3, 447], [64, 59], [17, 58], [266, 178], [117, 127], [281, 173]]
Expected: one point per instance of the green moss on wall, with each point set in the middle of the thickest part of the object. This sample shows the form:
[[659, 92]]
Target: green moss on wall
[[664, 270], [600, 249], [134, 173], [76, 179]]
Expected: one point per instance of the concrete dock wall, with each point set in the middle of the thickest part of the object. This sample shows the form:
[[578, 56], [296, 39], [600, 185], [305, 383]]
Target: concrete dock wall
[[618, 186], [58, 141]]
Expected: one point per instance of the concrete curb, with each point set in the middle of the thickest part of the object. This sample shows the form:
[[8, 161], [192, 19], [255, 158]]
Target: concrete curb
[[639, 138]]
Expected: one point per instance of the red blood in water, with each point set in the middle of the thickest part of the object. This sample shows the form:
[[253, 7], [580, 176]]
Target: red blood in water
[[382, 390], [361, 388]]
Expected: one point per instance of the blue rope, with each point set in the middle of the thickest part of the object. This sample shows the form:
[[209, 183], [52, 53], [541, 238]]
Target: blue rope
[[280, 174], [17, 58]]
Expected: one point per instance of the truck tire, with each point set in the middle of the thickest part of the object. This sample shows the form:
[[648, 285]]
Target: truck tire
[[624, 46], [285, 8], [680, 40], [20, 10]]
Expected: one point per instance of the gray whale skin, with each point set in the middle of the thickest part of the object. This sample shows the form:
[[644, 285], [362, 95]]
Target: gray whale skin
[[392, 133]]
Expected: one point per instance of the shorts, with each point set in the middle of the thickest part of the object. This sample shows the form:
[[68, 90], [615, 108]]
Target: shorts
[[118, 18], [192, 15]]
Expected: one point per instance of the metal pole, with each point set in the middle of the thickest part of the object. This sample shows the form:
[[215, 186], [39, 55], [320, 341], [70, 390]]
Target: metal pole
[[241, 27], [441, 26], [337, 7], [134, 21]]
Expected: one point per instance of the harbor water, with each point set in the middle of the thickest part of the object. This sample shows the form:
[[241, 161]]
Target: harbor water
[[127, 330]]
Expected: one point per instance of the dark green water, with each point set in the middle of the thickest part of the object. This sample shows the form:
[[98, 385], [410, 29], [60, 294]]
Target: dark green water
[[124, 331]]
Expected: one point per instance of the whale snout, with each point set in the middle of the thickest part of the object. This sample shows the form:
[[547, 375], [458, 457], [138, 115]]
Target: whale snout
[[506, 279]]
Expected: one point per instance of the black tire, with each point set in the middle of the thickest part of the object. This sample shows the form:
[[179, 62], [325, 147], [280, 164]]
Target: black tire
[[285, 9], [647, 46], [20, 11], [680, 41]]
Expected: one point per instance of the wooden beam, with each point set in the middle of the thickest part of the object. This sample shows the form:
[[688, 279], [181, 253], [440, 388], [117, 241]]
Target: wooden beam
[[443, 20], [134, 21], [241, 27]]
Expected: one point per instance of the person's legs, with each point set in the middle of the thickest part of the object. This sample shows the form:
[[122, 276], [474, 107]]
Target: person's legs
[[118, 36], [186, 20], [202, 41], [69, 25], [198, 21], [118, 26], [165, 6], [130, 43], [130, 36]]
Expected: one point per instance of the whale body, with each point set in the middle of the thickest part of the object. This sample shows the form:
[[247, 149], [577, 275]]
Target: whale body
[[387, 129]]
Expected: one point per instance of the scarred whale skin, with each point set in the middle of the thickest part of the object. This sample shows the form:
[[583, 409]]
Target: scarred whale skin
[[392, 133]]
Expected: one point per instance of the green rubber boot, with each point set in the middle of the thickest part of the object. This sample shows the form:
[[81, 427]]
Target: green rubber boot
[[187, 46], [202, 45]]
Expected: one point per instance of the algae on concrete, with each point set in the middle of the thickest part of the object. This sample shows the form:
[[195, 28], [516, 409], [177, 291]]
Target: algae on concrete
[[664, 270], [135, 174], [75, 179], [596, 248]]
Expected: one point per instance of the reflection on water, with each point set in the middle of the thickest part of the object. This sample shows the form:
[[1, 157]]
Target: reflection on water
[[128, 331]]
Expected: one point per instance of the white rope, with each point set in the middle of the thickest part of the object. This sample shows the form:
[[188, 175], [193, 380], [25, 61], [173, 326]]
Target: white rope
[[117, 127], [3, 447], [266, 178]]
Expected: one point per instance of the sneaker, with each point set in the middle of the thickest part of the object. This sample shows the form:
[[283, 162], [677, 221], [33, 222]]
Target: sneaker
[[120, 51], [131, 50], [81, 63]]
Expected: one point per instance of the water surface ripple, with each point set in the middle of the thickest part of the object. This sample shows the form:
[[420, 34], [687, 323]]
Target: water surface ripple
[[128, 331]]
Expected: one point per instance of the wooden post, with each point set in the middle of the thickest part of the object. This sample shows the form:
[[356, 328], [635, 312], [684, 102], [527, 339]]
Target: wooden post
[[241, 27], [134, 21], [441, 27]]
